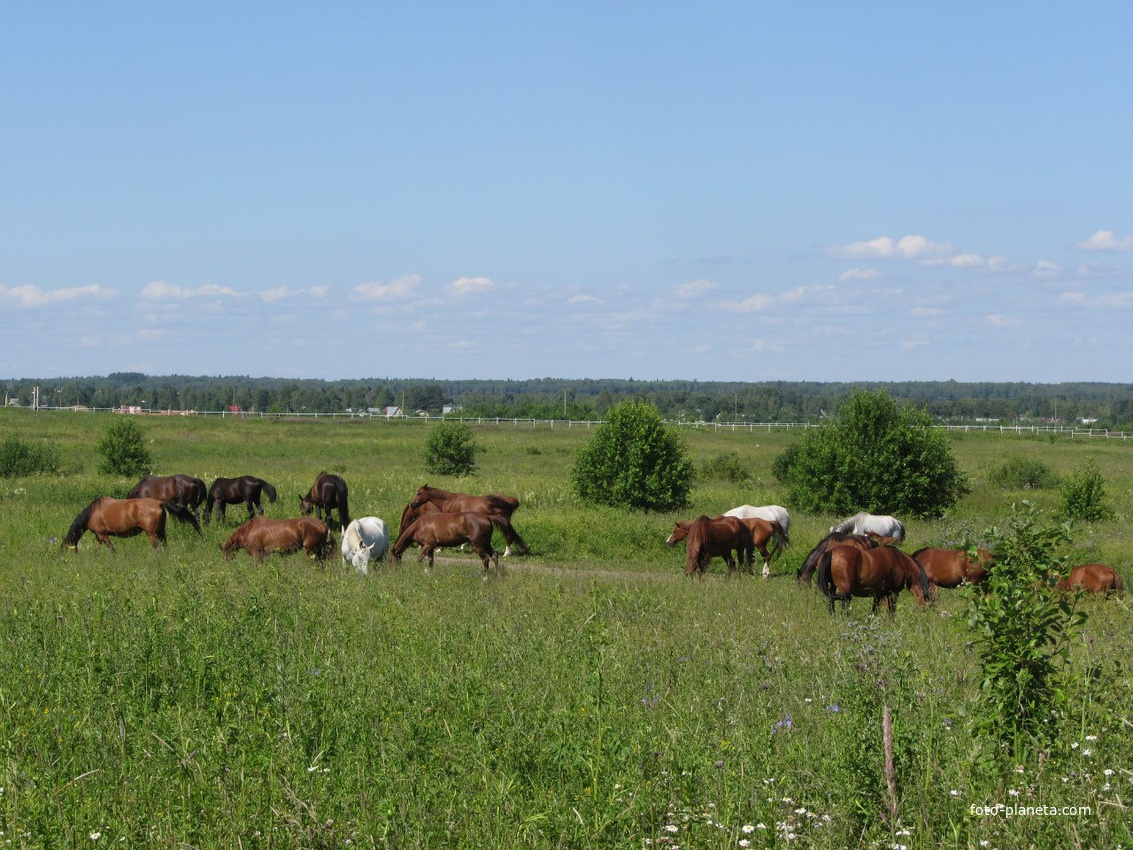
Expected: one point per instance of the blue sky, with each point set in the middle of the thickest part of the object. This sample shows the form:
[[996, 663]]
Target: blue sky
[[720, 191]]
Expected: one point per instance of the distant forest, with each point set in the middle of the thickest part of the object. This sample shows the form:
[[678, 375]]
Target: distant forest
[[1101, 405]]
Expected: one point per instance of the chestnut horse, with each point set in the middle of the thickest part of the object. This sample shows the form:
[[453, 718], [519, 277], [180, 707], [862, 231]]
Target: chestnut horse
[[261, 535], [952, 567], [1094, 578], [762, 531], [810, 563], [718, 536], [847, 571], [184, 490], [436, 529], [327, 493], [233, 491], [494, 504], [106, 517]]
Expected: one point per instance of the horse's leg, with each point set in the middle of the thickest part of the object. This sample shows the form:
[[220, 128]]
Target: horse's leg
[[766, 560]]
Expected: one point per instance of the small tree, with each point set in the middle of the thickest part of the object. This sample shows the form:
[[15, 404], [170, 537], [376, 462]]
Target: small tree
[[18, 458], [634, 460], [450, 449], [123, 450], [1083, 495]]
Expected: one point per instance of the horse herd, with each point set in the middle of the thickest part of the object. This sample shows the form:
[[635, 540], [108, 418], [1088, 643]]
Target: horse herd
[[858, 557]]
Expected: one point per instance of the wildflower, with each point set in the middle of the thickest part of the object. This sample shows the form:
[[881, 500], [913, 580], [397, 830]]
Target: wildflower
[[748, 828], [953, 793], [833, 709], [1020, 769], [743, 842], [761, 826], [785, 723], [1013, 792], [94, 836], [1106, 772], [672, 827], [1091, 737], [1087, 752]]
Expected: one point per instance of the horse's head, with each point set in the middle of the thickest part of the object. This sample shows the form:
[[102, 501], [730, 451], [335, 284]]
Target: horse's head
[[420, 497], [680, 532], [306, 505]]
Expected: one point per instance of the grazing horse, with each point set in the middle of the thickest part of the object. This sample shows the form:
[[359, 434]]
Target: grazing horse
[[364, 540], [952, 567], [810, 563], [261, 535], [1094, 578], [233, 491], [106, 517], [881, 525], [184, 490], [761, 532], [327, 493], [847, 571], [436, 529], [772, 513], [712, 537], [494, 504]]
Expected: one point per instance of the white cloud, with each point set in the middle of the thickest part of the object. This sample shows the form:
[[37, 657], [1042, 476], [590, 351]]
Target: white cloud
[[696, 287], [1105, 240], [1046, 269], [281, 292], [160, 290], [756, 304], [582, 299], [858, 274], [465, 285], [998, 320], [886, 248], [33, 296], [1099, 270], [402, 287], [277, 294]]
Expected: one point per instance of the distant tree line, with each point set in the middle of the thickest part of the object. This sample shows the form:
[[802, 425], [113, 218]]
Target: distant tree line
[[1111, 405]]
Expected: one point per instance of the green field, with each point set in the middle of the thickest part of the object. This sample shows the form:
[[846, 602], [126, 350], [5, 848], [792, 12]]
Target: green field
[[590, 696]]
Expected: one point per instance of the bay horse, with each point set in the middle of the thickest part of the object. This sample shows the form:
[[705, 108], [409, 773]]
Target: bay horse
[[952, 567], [233, 491], [107, 517], [810, 563], [184, 490], [260, 536], [437, 529], [717, 537], [879, 524], [327, 493], [1094, 578], [762, 531], [847, 571], [494, 504]]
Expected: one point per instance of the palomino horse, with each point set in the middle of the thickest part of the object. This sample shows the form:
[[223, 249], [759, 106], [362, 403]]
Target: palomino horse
[[881, 525], [184, 490], [1094, 578], [327, 493], [847, 571], [436, 529], [810, 563], [261, 535], [233, 491], [719, 536], [771, 513], [364, 540], [106, 517], [761, 532], [952, 567], [494, 504]]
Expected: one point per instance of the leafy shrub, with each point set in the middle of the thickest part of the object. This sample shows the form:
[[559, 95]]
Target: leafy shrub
[[634, 460], [1083, 496], [123, 450], [450, 449], [1023, 473], [18, 458], [725, 467], [874, 456]]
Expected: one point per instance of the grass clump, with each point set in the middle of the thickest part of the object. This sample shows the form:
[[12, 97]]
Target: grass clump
[[19, 458], [1018, 472]]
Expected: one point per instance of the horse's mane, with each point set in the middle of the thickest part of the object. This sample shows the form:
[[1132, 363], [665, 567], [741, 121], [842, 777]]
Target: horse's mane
[[79, 525]]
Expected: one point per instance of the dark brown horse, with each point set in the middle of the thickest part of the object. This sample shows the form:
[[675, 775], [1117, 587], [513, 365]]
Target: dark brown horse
[[260, 536], [329, 492], [709, 537], [762, 532], [436, 529], [847, 571], [232, 491], [494, 504], [834, 538], [106, 517], [1094, 578], [952, 567], [184, 490]]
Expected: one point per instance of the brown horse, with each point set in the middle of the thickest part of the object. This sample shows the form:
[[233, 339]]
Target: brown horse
[[327, 493], [1094, 578], [834, 538], [184, 490], [494, 504], [717, 537], [261, 535], [952, 567], [436, 529], [847, 571], [106, 517], [762, 531], [233, 491]]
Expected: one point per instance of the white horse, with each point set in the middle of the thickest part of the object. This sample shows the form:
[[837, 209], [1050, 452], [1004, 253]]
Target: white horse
[[365, 539], [771, 513], [863, 523]]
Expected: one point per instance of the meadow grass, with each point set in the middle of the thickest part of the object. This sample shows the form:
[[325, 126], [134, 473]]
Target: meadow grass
[[590, 696]]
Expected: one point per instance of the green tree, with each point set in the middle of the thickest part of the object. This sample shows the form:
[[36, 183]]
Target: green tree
[[450, 449], [634, 460], [1083, 495], [123, 450], [874, 456], [18, 458]]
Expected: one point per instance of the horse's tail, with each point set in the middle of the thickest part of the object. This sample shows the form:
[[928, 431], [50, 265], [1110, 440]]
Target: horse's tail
[[825, 580], [342, 492], [1118, 585], [921, 578], [505, 505], [79, 526], [781, 539], [200, 493], [269, 491], [511, 536], [900, 535], [182, 514]]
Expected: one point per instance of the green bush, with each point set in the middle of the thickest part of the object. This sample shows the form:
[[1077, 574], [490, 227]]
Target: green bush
[[1083, 496], [1023, 473], [450, 449], [634, 460], [18, 458], [123, 450], [874, 456], [724, 467]]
